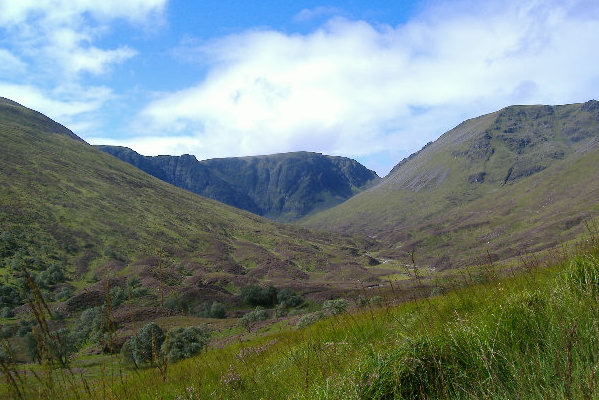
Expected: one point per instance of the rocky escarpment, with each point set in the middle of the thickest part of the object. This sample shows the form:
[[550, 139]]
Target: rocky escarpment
[[282, 187]]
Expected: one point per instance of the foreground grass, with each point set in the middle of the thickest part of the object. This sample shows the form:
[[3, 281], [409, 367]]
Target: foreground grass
[[535, 336]]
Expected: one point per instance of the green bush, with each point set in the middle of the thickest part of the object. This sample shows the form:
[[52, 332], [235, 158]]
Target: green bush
[[64, 293], [117, 296], [288, 298], [9, 296], [145, 346], [308, 319], [214, 310], [181, 343], [51, 276], [249, 319], [87, 327], [335, 307], [258, 296]]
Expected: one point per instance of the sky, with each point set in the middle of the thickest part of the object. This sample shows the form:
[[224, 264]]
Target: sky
[[371, 80]]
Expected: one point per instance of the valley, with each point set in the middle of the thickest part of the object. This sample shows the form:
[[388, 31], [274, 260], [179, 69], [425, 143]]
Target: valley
[[301, 275]]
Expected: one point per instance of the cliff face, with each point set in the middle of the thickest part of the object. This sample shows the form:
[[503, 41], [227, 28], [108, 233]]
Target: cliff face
[[283, 187]]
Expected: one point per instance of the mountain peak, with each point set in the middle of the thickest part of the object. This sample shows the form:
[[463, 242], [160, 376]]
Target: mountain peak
[[283, 186], [36, 122]]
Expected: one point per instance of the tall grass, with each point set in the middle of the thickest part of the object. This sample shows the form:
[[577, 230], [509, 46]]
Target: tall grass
[[534, 336]]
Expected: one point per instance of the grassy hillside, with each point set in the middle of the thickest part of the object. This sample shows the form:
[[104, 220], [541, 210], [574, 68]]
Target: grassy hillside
[[518, 180], [283, 187], [85, 223], [534, 335]]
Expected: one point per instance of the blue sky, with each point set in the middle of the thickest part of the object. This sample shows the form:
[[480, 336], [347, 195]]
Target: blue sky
[[372, 80]]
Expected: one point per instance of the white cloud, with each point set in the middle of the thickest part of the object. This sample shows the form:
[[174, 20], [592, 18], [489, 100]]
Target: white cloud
[[57, 104], [10, 65], [356, 89], [308, 14], [56, 43]]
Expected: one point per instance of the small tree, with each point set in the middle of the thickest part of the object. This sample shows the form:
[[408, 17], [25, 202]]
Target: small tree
[[217, 310], [249, 319], [258, 296], [144, 347], [288, 298], [181, 343]]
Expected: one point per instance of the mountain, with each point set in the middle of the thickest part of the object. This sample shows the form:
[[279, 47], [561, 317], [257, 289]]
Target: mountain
[[521, 179], [283, 187], [83, 222]]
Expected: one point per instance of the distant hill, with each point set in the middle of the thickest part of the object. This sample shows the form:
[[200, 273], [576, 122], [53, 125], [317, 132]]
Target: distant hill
[[517, 180], [83, 222], [282, 187]]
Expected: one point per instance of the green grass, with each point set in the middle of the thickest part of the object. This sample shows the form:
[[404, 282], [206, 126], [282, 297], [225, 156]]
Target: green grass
[[64, 201], [429, 204], [534, 335]]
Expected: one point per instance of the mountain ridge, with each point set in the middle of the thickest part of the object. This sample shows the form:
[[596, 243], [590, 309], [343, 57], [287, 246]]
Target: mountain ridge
[[283, 186], [490, 177], [80, 221]]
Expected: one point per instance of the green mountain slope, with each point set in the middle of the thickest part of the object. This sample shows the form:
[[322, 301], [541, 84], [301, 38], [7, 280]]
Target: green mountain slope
[[283, 187], [521, 179], [80, 219]]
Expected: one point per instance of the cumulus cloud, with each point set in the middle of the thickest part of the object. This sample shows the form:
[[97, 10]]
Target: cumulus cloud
[[354, 88], [55, 41]]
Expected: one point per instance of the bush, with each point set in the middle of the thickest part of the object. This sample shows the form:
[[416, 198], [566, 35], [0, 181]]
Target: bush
[[6, 312], [144, 347], [64, 293], [214, 310], [288, 298], [182, 343], [281, 310], [9, 296], [257, 296], [335, 307], [217, 310], [88, 327], [249, 319], [117, 296], [308, 319], [51, 276], [176, 303]]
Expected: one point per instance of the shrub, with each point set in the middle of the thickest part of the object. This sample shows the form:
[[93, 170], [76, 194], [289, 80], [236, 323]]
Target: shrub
[[217, 310], [88, 327], [289, 298], [181, 343], [117, 296], [51, 276], [144, 347], [9, 296], [176, 303], [64, 293], [281, 310], [214, 310], [249, 319], [308, 319], [6, 312], [257, 296], [335, 307]]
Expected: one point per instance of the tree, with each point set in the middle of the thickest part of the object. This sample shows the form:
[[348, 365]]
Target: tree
[[217, 310], [144, 347], [288, 298], [249, 319], [258, 296], [185, 342]]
